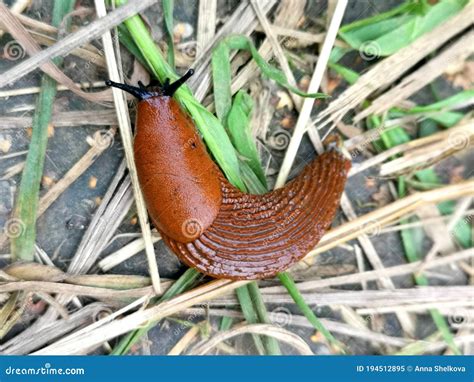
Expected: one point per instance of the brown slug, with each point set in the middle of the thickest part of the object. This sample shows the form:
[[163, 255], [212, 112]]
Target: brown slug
[[208, 223]]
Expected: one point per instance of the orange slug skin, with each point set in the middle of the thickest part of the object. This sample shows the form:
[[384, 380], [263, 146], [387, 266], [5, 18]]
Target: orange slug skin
[[208, 223], [180, 183]]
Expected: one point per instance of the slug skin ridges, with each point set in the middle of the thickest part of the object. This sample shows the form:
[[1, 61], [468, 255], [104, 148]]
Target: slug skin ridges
[[257, 236]]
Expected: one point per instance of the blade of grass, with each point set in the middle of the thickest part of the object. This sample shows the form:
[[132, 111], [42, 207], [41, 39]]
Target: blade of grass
[[243, 295], [271, 344], [406, 7], [244, 43], [25, 213], [221, 80], [252, 182], [384, 36], [292, 289], [456, 99], [348, 74], [238, 125], [168, 6], [226, 323], [185, 282]]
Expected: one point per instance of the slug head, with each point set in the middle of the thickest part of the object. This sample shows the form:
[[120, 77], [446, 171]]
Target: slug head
[[143, 92]]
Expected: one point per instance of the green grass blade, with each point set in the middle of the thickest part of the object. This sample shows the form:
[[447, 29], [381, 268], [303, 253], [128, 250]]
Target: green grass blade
[[22, 245], [168, 6], [127, 41], [348, 74], [456, 99], [271, 344], [292, 289], [238, 125], [389, 34], [221, 80], [252, 182], [244, 43], [448, 118], [406, 7], [226, 323], [250, 315], [25, 213]]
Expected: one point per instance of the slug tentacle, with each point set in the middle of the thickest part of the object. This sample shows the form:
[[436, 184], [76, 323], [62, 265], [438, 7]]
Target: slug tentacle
[[143, 92]]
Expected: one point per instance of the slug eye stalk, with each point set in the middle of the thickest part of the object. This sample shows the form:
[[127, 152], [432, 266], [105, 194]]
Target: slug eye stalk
[[143, 92]]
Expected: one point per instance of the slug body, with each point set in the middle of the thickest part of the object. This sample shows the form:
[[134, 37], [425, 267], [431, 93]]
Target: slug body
[[179, 181], [208, 223]]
